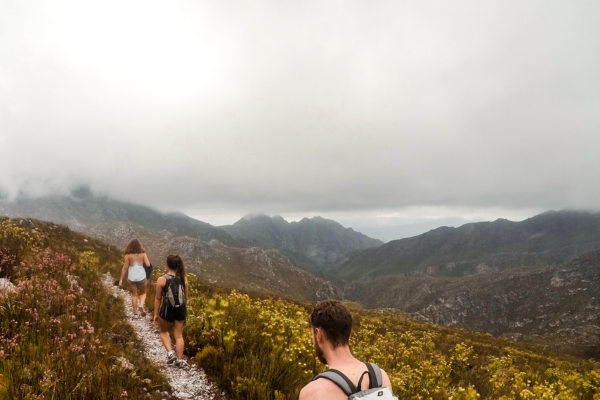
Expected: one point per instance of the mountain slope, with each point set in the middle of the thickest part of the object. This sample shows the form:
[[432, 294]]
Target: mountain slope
[[85, 212], [545, 239], [323, 242], [209, 252], [555, 306]]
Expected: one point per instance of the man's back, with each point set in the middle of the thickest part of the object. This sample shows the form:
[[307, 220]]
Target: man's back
[[324, 389]]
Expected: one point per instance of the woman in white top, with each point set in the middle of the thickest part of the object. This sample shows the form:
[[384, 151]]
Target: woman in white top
[[133, 266]]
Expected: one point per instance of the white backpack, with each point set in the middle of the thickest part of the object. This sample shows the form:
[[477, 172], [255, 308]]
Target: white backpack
[[376, 390]]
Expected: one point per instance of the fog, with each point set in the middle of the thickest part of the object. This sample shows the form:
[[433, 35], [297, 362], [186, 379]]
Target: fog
[[360, 111]]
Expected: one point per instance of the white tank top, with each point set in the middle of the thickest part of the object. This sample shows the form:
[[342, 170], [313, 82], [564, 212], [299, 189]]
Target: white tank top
[[136, 272]]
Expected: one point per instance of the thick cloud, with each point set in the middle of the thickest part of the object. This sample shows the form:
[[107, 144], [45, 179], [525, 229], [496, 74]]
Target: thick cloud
[[289, 107]]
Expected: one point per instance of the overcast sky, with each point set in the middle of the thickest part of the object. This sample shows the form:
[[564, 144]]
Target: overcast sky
[[383, 112]]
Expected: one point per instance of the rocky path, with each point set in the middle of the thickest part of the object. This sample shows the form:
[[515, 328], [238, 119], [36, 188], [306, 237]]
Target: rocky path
[[186, 383]]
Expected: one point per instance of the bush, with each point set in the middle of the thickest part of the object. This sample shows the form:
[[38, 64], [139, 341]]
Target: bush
[[61, 335], [262, 349]]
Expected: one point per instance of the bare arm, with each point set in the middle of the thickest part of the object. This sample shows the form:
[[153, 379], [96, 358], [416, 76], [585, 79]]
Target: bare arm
[[386, 380], [160, 283], [124, 270], [146, 260]]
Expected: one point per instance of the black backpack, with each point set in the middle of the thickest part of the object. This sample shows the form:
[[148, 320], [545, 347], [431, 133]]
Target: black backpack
[[376, 389], [174, 291]]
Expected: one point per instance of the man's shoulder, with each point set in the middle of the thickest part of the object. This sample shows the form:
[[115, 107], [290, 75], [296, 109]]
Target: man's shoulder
[[321, 389]]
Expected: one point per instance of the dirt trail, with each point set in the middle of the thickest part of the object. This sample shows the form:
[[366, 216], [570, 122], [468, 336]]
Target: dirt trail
[[187, 383]]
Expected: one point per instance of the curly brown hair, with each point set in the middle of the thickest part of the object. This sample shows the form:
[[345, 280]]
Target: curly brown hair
[[334, 319], [134, 247]]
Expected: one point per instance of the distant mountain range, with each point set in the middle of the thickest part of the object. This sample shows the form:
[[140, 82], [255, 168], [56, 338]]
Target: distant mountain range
[[546, 239], [525, 280], [321, 242]]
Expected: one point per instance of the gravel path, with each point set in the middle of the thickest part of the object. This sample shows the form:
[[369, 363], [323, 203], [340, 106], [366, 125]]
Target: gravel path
[[186, 383]]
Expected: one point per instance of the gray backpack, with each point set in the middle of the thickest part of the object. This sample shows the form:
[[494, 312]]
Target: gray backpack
[[174, 291], [376, 390]]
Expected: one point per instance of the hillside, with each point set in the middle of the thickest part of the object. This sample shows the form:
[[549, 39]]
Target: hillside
[[62, 336], [71, 340], [546, 239], [321, 242], [210, 252], [557, 307], [85, 212], [261, 348]]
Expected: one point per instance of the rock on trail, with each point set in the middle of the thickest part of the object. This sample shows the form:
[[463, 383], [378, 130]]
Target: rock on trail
[[186, 383]]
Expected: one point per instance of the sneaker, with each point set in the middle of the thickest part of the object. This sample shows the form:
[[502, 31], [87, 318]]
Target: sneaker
[[171, 357], [179, 363]]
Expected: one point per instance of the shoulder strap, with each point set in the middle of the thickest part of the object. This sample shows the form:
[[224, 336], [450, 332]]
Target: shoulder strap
[[339, 379], [375, 377]]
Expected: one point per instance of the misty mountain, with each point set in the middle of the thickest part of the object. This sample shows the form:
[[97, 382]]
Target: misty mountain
[[546, 239], [84, 212], [321, 242], [211, 253]]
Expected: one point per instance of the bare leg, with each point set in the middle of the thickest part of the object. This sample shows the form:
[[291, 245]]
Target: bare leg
[[134, 295], [179, 339], [163, 328], [142, 293]]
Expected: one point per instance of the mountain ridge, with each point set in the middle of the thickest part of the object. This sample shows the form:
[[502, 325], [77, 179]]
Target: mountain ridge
[[208, 251], [323, 242], [545, 239]]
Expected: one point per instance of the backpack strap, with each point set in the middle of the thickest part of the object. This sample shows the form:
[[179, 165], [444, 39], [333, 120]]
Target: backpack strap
[[375, 376], [339, 379]]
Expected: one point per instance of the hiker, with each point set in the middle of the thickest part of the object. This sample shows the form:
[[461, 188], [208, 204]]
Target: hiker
[[331, 325], [172, 292], [134, 266]]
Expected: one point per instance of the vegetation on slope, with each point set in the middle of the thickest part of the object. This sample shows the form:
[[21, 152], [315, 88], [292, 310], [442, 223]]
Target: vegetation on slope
[[61, 335], [556, 307], [256, 347], [72, 344]]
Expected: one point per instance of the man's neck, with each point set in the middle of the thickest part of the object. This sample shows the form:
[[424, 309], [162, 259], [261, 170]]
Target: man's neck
[[339, 357]]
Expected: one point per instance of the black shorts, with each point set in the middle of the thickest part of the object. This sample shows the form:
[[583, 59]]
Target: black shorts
[[172, 314]]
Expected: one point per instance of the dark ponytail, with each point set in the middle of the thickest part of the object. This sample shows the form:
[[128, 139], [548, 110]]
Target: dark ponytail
[[175, 263]]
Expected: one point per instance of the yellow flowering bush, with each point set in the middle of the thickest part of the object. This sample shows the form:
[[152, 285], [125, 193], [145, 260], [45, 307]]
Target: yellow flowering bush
[[262, 349]]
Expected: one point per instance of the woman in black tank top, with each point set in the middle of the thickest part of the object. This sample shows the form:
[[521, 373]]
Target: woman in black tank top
[[167, 315]]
